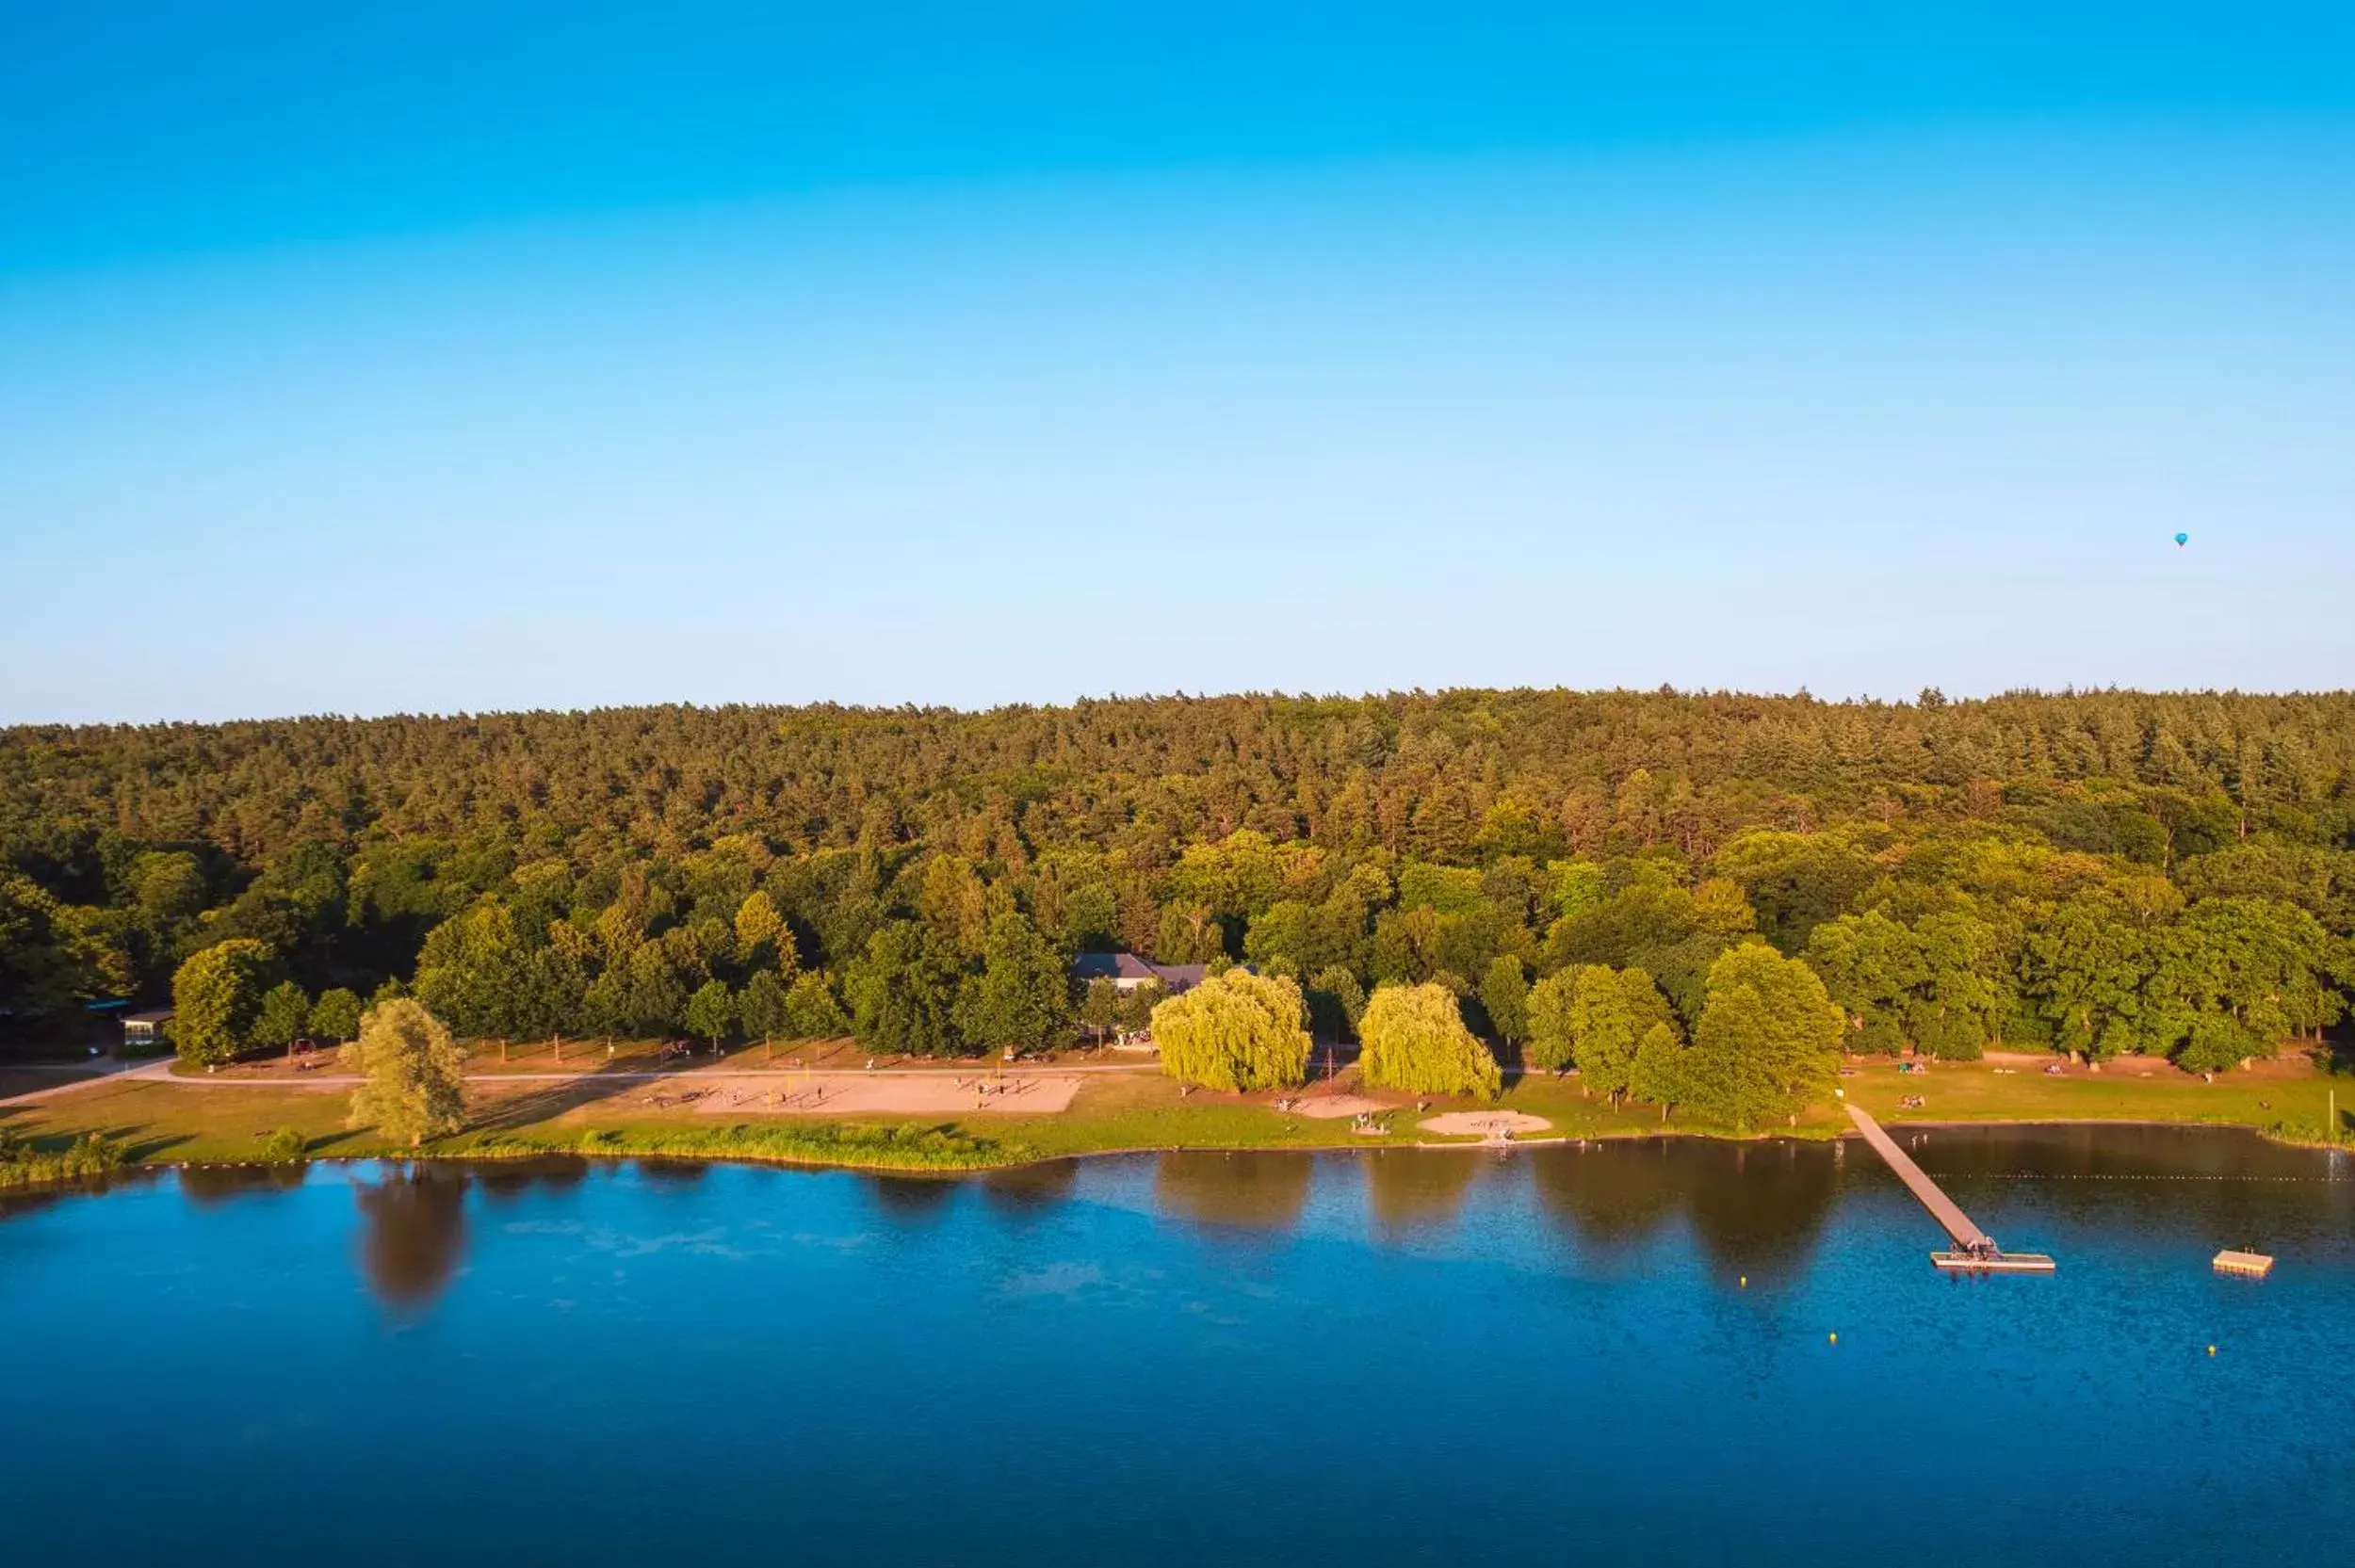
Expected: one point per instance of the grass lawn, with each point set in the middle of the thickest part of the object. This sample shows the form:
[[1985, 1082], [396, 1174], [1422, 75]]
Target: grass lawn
[[2287, 1098]]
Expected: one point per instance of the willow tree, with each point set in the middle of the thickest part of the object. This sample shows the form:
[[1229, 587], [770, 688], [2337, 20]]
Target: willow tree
[[1416, 1042], [1237, 1031], [416, 1087]]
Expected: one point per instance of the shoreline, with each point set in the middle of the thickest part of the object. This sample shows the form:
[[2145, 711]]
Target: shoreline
[[158, 1118], [516, 1152]]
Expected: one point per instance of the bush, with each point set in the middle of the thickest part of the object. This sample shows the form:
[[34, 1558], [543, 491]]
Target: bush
[[284, 1143], [22, 1164]]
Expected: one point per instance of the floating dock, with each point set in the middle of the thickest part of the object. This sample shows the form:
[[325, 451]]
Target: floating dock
[[2255, 1265], [1974, 1251]]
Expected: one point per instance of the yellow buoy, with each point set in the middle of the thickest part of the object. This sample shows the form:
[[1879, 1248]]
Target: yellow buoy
[[1746, 1282], [2212, 1349], [1835, 1339]]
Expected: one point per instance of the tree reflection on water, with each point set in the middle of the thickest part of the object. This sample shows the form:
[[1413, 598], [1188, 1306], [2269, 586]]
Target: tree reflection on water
[[205, 1185], [412, 1232], [1410, 1189], [1757, 1209], [1242, 1191], [1031, 1188]]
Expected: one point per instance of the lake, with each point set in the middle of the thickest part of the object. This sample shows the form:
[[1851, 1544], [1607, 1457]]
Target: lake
[[1606, 1354]]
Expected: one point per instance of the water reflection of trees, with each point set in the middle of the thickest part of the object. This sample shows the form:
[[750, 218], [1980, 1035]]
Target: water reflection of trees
[[1029, 1188], [907, 1197], [412, 1233], [1418, 1189], [508, 1180], [673, 1172], [1260, 1191], [206, 1186], [1753, 1208]]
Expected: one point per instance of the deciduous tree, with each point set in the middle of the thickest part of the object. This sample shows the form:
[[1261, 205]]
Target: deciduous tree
[[416, 1087], [335, 1016], [1768, 1040], [216, 999], [1416, 1042], [711, 1012], [285, 1016], [1237, 1031]]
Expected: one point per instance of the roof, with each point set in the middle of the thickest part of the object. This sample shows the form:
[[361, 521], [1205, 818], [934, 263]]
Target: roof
[[161, 1015], [1112, 966], [1128, 966]]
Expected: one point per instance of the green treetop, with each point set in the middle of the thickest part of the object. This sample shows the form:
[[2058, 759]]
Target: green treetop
[[285, 1015], [711, 1012], [416, 1087], [1768, 1040], [216, 999], [1237, 1031], [1416, 1043]]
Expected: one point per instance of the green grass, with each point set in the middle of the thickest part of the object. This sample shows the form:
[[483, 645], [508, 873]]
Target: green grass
[[904, 1147]]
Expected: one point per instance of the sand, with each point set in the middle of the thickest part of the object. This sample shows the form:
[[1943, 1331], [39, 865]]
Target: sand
[[1332, 1108], [1484, 1123], [888, 1094]]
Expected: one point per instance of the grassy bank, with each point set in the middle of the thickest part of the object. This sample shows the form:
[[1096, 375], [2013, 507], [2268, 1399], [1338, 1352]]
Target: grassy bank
[[170, 1123]]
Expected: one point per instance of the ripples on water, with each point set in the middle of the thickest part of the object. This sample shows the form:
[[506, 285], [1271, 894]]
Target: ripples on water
[[1613, 1354]]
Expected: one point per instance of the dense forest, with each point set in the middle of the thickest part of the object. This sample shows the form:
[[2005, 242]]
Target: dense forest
[[2098, 872]]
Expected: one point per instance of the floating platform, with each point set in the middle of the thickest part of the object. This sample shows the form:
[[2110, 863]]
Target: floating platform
[[1993, 1263], [2255, 1265]]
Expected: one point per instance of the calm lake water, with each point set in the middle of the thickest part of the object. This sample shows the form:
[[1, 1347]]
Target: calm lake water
[[1409, 1357]]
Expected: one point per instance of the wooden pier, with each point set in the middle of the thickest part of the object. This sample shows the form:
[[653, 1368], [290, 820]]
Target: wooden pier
[[2253, 1264], [1975, 1249]]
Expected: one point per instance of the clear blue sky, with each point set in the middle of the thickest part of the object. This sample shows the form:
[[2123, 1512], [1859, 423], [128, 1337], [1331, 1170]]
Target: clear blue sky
[[465, 356]]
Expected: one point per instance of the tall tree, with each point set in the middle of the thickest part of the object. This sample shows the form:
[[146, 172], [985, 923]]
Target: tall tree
[[1237, 1031], [1416, 1042], [710, 1012], [1504, 996], [216, 999], [2084, 967], [336, 1016], [1661, 1071], [1611, 1011], [762, 1007], [811, 1012], [416, 1087], [1768, 1040], [1022, 997], [903, 992], [284, 1015]]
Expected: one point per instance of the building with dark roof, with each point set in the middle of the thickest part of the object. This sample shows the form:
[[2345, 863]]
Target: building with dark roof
[[1127, 972]]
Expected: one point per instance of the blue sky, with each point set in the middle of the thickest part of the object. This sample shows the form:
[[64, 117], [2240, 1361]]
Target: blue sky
[[466, 357]]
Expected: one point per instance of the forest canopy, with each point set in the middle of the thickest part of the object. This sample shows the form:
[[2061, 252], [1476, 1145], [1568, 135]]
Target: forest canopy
[[2099, 871]]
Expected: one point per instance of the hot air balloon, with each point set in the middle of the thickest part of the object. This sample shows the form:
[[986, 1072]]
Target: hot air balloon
[[2181, 540]]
